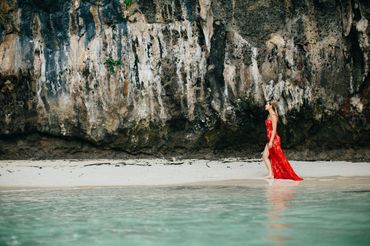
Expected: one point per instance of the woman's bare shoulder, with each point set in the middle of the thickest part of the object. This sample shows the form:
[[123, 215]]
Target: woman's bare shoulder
[[274, 117]]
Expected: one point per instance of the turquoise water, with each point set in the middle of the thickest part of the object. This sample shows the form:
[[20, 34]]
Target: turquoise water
[[187, 215]]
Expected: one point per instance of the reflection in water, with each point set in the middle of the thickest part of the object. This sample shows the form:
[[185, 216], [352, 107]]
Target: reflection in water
[[279, 193]]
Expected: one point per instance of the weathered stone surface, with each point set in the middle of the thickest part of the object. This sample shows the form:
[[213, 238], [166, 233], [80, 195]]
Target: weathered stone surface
[[194, 76]]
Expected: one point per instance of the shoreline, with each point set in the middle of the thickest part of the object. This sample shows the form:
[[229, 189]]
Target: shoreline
[[162, 172], [329, 182]]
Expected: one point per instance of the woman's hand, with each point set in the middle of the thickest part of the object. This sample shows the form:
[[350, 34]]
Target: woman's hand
[[270, 145]]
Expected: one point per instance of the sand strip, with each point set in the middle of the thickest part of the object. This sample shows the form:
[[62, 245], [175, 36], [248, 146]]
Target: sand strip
[[74, 173]]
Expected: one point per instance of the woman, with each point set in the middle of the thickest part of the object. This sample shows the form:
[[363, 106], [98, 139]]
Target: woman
[[277, 165]]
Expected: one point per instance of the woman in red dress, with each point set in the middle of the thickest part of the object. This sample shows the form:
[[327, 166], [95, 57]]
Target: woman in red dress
[[277, 165]]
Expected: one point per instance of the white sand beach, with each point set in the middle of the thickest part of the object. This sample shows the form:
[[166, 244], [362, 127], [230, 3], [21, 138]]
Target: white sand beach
[[73, 172]]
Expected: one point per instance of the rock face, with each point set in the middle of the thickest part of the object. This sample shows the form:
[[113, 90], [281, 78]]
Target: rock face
[[182, 75]]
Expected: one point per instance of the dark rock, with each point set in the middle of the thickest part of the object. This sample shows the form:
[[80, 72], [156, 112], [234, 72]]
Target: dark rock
[[193, 79]]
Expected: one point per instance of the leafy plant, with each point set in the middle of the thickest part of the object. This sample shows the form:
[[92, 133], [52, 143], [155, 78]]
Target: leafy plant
[[128, 3], [110, 62]]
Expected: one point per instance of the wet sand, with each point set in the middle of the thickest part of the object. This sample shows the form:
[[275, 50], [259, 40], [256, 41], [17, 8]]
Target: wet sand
[[238, 172]]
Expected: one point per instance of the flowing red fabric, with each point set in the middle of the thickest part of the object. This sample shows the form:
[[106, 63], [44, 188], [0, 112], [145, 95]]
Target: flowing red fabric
[[281, 167]]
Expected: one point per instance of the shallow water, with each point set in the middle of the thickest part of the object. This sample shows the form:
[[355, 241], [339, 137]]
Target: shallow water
[[275, 214]]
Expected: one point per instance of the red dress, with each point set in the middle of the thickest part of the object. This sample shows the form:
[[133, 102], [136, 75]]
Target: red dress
[[281, 167]]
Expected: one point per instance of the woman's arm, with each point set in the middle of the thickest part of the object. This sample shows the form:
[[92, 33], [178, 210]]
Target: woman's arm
[[274, 126]]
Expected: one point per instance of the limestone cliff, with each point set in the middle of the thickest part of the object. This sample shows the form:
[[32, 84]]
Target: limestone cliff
[[190, 74]]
